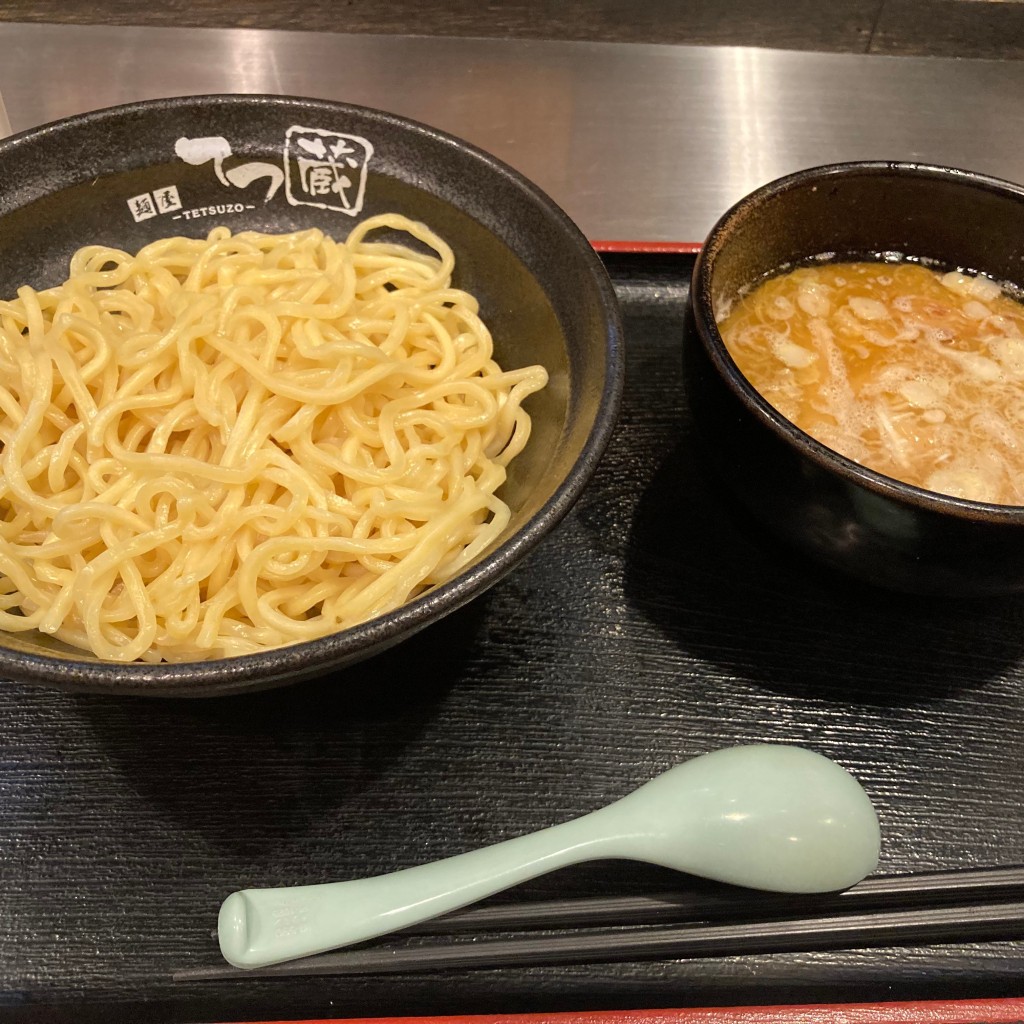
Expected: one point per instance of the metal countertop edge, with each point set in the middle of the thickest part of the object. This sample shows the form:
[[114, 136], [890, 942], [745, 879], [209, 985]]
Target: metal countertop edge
[[642, 142]]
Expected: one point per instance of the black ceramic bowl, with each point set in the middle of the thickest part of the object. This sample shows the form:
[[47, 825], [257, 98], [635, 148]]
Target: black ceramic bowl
[[876, 528], [132, 174]]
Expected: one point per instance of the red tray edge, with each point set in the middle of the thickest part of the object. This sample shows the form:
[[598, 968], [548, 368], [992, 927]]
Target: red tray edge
[[961, 1011], [688, 248]]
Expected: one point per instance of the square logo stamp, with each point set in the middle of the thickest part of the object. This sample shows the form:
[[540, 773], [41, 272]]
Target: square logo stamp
[[325, 169]]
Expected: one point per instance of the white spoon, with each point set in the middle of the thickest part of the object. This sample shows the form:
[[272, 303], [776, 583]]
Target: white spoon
[[768, 817]]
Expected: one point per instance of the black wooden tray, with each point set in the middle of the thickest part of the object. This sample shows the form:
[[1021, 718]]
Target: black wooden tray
[[657, 623]]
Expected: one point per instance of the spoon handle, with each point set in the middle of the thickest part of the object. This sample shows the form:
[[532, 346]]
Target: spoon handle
[[259, 927]]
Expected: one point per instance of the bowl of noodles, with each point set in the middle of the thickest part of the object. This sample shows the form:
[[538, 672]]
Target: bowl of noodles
[[857, 358], [283, 381]]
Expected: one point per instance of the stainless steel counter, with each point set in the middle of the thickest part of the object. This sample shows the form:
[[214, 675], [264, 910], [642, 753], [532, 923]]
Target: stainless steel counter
[[635, 141]]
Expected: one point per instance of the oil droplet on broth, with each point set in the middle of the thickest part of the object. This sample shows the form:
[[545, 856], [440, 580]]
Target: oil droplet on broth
[[916, 374]]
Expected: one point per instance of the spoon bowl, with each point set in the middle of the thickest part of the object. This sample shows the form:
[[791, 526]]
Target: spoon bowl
[[771, 817]]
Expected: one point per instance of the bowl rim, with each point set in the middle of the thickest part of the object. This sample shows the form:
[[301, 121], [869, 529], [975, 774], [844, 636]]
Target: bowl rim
[[291, 663], [702, 304]]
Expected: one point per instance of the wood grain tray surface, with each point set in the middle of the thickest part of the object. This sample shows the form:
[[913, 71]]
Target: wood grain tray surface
[[655, 624]]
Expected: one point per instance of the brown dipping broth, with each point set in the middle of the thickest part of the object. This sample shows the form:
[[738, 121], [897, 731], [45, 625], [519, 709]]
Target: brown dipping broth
[[911, 372]]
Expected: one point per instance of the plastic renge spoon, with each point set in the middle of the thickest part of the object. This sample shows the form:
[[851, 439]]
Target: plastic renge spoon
[[771, 817]]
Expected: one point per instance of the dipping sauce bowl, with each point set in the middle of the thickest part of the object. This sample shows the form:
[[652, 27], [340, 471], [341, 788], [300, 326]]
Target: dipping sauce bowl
[[849, 517]]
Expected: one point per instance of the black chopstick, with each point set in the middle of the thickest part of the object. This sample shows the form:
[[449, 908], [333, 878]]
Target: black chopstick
[[959, 923], [884, 892], [723, 903]]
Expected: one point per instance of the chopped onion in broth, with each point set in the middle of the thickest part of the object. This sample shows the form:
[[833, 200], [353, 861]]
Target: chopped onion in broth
[[915, 374]]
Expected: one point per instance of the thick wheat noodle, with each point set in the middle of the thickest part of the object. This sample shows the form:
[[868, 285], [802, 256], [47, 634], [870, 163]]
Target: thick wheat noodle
[[223, 445]]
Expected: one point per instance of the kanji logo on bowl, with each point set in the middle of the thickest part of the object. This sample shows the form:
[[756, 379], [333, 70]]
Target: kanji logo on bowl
[[325, 169], [318, 168]]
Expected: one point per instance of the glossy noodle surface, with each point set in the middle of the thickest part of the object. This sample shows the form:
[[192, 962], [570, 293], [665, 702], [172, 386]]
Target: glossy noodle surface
[[911, 372], [218, 446]]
